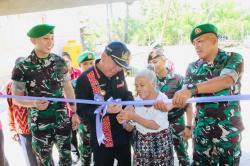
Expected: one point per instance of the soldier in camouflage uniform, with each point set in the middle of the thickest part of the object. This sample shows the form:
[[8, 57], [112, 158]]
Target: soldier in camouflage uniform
[[217, 135], [86, 60], [45, 74], [168, 83]]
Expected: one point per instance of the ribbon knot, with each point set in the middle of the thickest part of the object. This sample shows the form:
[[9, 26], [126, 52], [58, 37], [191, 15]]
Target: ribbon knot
[[100, 113]]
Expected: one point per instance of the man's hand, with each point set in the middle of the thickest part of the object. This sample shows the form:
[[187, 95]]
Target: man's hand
[[15, 136], [180, 97], [162, 106], [120, 117], [127, 115], [187, 133], [41, 104], [75, 121], [114, 108]]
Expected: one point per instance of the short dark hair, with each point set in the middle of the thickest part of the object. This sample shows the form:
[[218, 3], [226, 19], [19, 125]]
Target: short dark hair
[[66, 54]]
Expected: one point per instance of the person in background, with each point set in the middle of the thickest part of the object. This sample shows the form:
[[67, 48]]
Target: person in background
[[85, 60], [74, 74], [169, 82], [169, 64], [217, 134], [18, 125], [44, 74]]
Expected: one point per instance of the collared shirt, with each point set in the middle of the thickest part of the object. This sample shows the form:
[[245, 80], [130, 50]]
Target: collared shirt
[[115, 87], [223, 113], [43, 77], [169, 85], [17, 115]]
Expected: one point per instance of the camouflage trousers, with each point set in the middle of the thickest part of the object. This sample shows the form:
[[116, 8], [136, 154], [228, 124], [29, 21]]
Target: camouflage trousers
[[216, 144], [84, 147], [43, 140], [180, 145]]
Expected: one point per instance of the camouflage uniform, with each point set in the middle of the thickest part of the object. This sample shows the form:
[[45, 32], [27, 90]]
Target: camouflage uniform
[[217, 134], [84, 147], [169, 85], [45, 78], [84, 136]]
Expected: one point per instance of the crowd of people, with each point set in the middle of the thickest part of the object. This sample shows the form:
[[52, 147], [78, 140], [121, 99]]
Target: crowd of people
[[108, 132]]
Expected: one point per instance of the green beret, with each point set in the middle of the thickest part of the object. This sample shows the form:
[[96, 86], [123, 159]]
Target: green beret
[[202, 29], [86, 56], [40, 30]]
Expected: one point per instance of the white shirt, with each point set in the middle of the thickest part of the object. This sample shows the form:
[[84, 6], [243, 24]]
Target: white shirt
[[150, 113]]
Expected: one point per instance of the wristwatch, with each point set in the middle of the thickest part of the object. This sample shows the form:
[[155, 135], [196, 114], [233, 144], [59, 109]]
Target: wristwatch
[[192, 88]]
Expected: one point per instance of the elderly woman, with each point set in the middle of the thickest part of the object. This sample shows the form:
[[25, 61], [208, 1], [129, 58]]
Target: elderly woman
[[152, 136]]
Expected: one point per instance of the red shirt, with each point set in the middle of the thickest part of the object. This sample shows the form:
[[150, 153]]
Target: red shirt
[[17, 116], [75, 73]]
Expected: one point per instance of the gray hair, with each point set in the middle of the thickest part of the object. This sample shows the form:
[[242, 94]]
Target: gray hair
[[149, 74]]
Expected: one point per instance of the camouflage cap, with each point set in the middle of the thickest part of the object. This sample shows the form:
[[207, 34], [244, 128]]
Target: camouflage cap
[[40, 30], [86, 56], [155, 54], [202, 29]]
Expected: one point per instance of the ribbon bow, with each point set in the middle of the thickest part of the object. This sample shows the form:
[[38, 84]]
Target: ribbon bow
[[100, 113]]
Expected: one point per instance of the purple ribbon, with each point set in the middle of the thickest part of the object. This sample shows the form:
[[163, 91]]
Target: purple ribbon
[[135, 102], [100, 113], [104, 104]]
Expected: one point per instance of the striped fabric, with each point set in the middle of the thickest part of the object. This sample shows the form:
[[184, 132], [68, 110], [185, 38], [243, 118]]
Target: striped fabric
[[153, 149], [18, 116], [106, 121]]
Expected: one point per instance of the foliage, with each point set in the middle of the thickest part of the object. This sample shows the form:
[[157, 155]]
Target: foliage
[[232, 20], [171, 21]]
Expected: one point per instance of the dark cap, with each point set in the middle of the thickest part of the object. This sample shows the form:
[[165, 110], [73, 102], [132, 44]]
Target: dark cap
[[155, 54], [40, 30], [202, 29], [119, 53]]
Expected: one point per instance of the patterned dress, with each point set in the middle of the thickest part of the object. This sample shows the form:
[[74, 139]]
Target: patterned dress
[[153, 147]]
